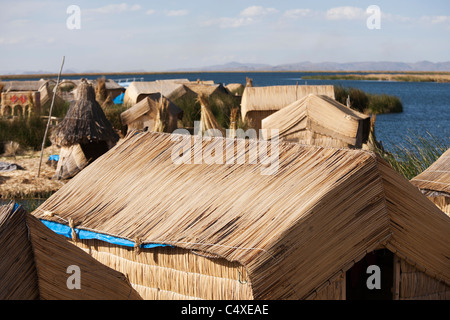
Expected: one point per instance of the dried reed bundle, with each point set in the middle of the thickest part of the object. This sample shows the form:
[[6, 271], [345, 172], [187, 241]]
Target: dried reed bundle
[[162, 121], [208, 123], [100, 91], [233, 122]]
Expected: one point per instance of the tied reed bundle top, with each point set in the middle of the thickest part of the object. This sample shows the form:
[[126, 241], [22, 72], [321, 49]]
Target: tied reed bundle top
[[84, 122]]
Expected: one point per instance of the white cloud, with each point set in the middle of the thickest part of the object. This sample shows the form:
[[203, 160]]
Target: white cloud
[[177, 13], [346, 13], [115, 8], [149, 12], [257, 11], [226, 23], [436, 19], [297, 13], [246, 17]]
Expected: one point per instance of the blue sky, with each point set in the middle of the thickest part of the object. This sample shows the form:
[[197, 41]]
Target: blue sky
[[172, 34]]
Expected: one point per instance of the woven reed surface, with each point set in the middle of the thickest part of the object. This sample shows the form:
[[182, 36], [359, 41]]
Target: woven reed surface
[[319, 115], [292, 230], [442, 203], [274, 98], [18, 276], [173, 273], [416, 285], [436, 177]]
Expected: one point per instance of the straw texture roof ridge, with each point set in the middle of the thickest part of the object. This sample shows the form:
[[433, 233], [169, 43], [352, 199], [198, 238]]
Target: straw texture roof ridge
[[84, 122], [274, 98], [34, 263], [321, 211], [435, 180]]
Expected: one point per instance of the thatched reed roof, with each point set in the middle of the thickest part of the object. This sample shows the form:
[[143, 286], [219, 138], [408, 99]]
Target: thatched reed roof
[[320, 212], [34, 263], [274, 98], [206, 89], [172, 89], [435, 180], [149, 106], [18, 85], [84, 122], [319, 115], [233, 87]]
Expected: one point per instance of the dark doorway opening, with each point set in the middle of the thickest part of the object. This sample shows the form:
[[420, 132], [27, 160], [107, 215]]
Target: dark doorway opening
[[94, 150], [357, 277]]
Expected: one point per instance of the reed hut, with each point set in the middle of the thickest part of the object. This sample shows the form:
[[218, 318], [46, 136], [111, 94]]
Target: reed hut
[[35, 264], [171, 89], [23, 98], [260, 102], [247, 230], [319, 120], [83, 135], [434, 182], [144, 114]]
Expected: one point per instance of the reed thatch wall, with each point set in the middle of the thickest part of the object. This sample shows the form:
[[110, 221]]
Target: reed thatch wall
[[416, 285], [34, 264], [168, 273]]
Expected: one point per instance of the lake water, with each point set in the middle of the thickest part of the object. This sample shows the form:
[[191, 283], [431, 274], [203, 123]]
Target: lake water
[[426, 105]]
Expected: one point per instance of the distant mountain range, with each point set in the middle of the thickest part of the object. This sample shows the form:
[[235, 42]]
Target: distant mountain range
[[421, 66], [329, 66]]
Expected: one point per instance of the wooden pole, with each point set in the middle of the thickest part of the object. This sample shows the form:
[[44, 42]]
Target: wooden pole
[[49, 117]]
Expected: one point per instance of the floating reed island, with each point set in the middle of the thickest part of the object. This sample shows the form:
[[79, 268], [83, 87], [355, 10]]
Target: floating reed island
[[300, 217]]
